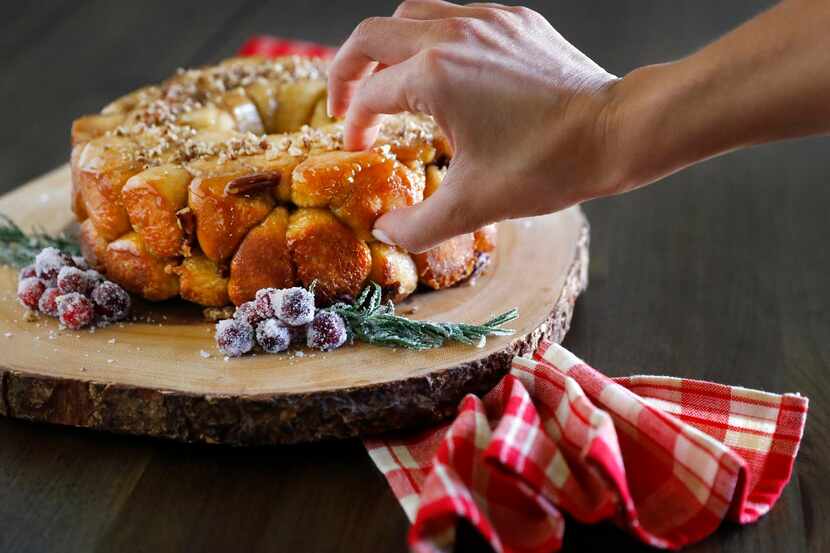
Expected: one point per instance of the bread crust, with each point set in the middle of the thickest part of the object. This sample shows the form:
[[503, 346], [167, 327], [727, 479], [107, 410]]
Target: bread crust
[[223, 219], [127, 261], [201, 281], [152, 199], [394, 270], [325, 250], [262, 260], [447, 263]]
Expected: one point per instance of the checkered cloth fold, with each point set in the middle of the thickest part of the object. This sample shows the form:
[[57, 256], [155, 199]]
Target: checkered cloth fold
[[665, 458]]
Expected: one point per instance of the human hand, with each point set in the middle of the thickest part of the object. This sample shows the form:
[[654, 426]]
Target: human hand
[[529, 117]]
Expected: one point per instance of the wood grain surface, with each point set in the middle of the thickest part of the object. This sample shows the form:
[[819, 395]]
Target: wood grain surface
[[161, 374], [719, 272]]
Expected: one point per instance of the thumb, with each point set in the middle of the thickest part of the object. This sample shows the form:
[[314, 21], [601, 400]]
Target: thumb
[[448, 212]]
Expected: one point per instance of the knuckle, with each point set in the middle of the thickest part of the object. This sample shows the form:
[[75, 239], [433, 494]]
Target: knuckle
[[433, 71], [499, 17], [366, 27], [524, 13], [433, 57], [463, 28], [457, 26]]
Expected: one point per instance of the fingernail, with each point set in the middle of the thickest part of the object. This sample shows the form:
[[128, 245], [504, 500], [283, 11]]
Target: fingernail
[[381, 236], [328, 108]]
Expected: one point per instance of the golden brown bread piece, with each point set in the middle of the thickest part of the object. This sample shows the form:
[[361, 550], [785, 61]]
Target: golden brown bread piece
[[357, 186], [93, 245], [243, 110], [88, 127], [434, 178], [179, 192], [296, 101], [103, 169], [448, 263], [78, 207], [152, 198], [324, 249], [394, 270], [201, 281], [127, 262], [262, 260], [223, 219]]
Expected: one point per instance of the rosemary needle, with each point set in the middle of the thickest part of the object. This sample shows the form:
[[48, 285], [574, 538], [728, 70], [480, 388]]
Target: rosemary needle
[[17, 248], [370, 320]]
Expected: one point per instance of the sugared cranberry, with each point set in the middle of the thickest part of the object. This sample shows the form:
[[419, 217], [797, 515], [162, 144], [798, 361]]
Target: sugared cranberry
[[49, 262], [295, 306], [327, 331], [48, 304], [75, 310], [29, 291], [273, 336], [94, 275], [265, 302], [112, 303], [248, 312], [80, 262], [234, 337], [73, 279], [27, 272]]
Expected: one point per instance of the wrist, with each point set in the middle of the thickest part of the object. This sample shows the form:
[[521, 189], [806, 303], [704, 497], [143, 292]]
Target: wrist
[[647, 125]]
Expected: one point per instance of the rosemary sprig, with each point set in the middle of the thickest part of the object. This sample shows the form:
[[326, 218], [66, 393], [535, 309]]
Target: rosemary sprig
[[17, 248], [370, 320]]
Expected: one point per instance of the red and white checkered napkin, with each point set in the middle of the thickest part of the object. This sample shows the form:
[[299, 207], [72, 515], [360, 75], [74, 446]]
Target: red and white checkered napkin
[[272, 46], [665, 458]]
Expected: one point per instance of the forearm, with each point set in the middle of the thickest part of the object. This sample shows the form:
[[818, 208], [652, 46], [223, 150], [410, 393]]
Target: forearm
[[767, 80]]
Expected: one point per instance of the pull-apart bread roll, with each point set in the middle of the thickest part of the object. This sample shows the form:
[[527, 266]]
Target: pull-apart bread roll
[[227, 179]]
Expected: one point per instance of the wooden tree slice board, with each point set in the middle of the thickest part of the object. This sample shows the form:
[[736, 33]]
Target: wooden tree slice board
[[150, 377]]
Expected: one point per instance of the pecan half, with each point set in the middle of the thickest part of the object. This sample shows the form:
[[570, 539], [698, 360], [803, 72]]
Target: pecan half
[[251, 184]]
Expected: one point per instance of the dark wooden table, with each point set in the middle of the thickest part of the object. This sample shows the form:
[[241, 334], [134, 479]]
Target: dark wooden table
[[720, 273]]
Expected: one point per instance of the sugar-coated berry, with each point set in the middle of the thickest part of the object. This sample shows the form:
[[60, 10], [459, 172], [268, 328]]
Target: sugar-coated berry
[[48, 304], [29, 291], [248, 312], [295, 306], [234, 337], [265, 302], [27, 272], [80, 262], [273, 336], [94, 275], [112, 303], [75, 310], [49, 262], [327, 331], [73, 279]]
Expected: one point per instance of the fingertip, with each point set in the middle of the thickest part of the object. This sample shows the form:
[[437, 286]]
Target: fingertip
[[329, 108], [360, 137]]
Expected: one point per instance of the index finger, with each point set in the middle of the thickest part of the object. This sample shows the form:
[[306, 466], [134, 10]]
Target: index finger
[[377, 40]]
